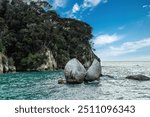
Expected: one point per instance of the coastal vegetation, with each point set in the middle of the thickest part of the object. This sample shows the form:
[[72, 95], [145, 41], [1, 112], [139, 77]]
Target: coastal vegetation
[[29, 31]]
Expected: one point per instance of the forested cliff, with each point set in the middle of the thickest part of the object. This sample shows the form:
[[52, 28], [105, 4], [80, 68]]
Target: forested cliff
[[35, 37]]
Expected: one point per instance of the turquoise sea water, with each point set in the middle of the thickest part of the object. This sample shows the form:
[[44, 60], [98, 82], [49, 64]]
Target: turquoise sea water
[[44, 86]]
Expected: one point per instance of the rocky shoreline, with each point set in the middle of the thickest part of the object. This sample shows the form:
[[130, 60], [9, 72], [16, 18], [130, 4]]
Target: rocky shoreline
[[75, 73], [5, 65], [35, 39]]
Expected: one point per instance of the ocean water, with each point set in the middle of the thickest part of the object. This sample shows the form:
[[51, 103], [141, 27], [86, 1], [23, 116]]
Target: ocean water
[[44, 85]]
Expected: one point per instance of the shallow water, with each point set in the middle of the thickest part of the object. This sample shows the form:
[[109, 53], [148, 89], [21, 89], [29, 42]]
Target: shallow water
[[43, 85]]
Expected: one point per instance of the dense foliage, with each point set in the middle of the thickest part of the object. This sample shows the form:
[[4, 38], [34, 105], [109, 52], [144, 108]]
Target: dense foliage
[[27, 31]]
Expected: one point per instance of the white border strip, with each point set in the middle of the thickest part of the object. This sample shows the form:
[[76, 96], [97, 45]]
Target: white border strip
[[142, 108]]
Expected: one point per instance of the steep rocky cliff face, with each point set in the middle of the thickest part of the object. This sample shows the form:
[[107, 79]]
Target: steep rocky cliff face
[[5, 65], [50, 63], [1, 65], [37, 39]]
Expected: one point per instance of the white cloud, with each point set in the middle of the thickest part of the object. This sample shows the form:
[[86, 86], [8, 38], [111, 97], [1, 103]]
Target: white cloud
[[28, 1], [87, 4], [127, 47], [142, 58], [90, 3], [121, 27], [105, 1], [106, 39], [148, 14], [75, 8], [59, 3], [146, 6], [32, 0], [130, 47], [70, 14]]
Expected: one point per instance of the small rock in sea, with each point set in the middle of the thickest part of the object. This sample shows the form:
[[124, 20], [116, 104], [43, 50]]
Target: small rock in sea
[[74, 72], [108, 76], [61, 81], [94, 71], [138, 77]]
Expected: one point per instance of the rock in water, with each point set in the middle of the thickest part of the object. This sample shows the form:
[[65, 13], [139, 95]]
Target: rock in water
[[61, 81], [94, 71], [74, 72], [138, 77]]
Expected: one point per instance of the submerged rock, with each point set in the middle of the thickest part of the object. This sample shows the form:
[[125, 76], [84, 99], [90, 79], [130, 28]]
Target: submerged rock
[[138, 77], [94, 71], [61, 81], [109, 76], [74, 72]]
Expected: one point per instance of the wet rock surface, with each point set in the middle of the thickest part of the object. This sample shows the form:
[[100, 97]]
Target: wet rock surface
[[138, 77], [94, 71], [74, 72]]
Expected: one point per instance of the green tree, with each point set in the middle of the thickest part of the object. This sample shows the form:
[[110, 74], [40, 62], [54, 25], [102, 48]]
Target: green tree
[[27, 31]]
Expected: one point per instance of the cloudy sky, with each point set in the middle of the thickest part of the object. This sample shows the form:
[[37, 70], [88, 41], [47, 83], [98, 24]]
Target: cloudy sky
[[121, 28]]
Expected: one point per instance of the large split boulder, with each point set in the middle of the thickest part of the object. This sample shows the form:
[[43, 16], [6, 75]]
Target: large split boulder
[[138, 77], [74, 72], [94, 72]]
